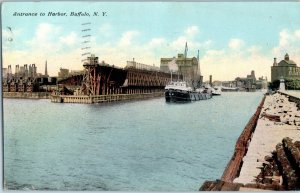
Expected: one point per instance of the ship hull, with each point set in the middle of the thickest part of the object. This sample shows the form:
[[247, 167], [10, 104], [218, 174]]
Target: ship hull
[[182, 96]]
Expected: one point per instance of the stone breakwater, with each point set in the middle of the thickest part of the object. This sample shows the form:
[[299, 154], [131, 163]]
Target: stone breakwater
[[265, 156], [241, 147]]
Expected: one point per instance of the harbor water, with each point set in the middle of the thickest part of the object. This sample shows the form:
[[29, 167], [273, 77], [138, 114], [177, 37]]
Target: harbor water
[[146, 145]]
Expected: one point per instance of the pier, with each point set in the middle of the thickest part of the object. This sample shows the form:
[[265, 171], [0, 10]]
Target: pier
[[102, 98], [26, 95], [101, 83], [267, 153]]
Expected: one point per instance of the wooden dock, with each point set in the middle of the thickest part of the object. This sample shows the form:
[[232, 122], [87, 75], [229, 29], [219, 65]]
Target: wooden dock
[[26, 95], [102, 98]]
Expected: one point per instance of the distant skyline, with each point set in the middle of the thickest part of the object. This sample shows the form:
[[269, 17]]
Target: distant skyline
[[233, 38]]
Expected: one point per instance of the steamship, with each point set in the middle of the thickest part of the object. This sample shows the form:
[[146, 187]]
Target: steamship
[[179, 91]]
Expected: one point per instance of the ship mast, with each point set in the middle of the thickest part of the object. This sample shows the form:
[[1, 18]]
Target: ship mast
[[199, 69], [185, 55]]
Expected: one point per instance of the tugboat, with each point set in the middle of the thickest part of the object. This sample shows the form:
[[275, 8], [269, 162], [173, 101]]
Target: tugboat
[[216, 91], [179, 91]]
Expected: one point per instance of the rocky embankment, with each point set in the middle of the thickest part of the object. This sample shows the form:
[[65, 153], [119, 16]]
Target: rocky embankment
[[265, 155]]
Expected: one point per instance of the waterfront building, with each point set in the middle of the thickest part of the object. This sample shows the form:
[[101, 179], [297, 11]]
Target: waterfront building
[[230, 84], [262, 83], [217, 83], [187, 67], [287, 69], [63, 73], [25, 71], [247, 83], [25, 79]]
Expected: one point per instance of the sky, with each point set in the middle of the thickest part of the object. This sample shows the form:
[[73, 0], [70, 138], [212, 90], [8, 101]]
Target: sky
[[232, 38]]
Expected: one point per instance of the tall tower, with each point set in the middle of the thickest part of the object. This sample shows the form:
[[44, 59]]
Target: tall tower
[[46, 71]]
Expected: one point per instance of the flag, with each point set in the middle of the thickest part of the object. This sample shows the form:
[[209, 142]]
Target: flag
[[173, 67]]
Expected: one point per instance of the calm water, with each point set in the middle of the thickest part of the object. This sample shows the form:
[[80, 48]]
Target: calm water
[[135, 146]]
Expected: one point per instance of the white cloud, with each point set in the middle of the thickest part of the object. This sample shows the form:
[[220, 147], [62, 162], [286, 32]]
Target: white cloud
[[285, 38], [192, 31], [297, 33], [45, 40], [46, 31], [236, 44], [127, 37], [214, 53], [289, 42], [234, 59], [179, 43], [46, 44], [227, 65], [156, 42], [253, 50], [70, 39], [188, 37]]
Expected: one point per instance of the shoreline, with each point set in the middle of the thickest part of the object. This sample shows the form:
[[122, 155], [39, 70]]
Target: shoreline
[[234, 165], [261, 160]]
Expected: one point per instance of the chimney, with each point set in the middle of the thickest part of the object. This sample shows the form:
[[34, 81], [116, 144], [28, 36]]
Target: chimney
[[46, 71], [17, 70], [25, 71], [9, 69], [33, 70], [275, 62]]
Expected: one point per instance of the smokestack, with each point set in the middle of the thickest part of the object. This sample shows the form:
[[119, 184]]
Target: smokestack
[[275, 62], [201, 80], [17, 70], [33, 70], [46, 71], [210, 79], [25, 71], [9, 73], [9, 69]]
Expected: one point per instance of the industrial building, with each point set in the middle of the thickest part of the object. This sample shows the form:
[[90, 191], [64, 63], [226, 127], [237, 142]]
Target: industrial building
[[187, 67], [25, 79]]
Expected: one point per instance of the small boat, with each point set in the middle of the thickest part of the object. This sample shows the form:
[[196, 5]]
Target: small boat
[[229, 89], [217, 90], [179, 91]]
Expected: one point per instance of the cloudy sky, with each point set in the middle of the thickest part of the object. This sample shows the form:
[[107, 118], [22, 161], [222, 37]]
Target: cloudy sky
[[233, 38]]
